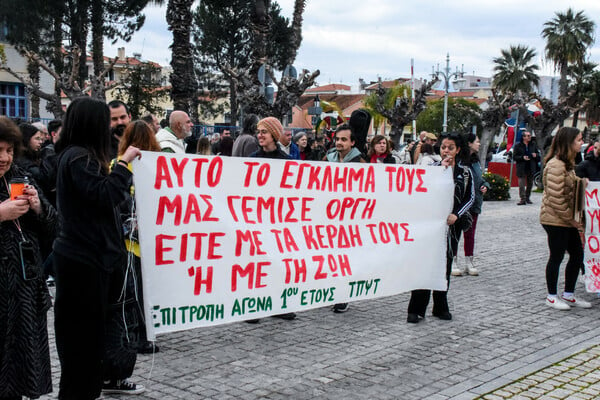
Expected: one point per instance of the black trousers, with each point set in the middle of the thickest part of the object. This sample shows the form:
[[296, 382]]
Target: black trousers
[[419, 299], [79, 321], [561, 239]]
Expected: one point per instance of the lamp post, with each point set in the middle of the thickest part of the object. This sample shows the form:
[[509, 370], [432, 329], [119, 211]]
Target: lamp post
[[315, 111], [447, 75]]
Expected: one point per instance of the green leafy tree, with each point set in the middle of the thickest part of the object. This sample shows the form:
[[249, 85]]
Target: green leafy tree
[[462, 116], [141, 90], [568, 37], [514, 71], [58, 22], [222, 38], [225, 34], [591, 98], [390, 97], [184, 84], [397, 107], [250, 91], [579, 89]]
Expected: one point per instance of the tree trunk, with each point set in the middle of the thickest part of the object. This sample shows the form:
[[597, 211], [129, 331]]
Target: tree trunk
[[98, 86], [233, 102], [575, 119], [183, 80], [396, 134], [486, 138], [79, 32], [33, 69]]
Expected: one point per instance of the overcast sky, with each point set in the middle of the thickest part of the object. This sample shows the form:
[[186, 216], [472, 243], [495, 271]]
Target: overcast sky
[[350, 39]]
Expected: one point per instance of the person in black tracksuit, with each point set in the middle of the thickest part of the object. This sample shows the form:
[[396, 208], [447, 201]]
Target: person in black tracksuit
[[89, 244], [452, 149]]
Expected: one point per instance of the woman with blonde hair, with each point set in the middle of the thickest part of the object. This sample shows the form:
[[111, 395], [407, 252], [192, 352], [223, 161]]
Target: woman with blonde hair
[[203, 146], [558, 218], [140, 135]]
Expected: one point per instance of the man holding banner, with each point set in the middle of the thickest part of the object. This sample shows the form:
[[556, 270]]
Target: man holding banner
[[344, 151]]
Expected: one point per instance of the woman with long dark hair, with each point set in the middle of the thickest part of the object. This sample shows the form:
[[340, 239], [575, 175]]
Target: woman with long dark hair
[[89, 245], [453, 151], [481, 187], [30, 159], [558, 218]]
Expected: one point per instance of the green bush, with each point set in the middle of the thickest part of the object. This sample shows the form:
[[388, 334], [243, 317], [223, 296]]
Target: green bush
[[499, 187]]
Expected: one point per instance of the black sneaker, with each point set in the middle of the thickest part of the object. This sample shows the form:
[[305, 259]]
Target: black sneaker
[[340, 308], [147, 348], [122, 387]]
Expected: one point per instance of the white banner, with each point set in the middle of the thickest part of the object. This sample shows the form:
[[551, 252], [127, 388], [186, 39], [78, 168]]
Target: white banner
[[592, 238], [227, 239]]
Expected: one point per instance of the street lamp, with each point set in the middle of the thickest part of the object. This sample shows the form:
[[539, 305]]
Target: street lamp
[[315, 111], [445, 73]]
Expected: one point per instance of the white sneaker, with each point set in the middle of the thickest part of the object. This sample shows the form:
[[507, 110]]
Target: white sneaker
[[456, 270], [471, 270], [575, 302], [557, 303]]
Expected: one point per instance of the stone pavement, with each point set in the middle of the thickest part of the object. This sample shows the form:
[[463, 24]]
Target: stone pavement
[[503, 342]]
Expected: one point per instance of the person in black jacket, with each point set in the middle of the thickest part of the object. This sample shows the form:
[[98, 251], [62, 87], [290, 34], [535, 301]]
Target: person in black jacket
[[453, 150], [590, 167], [30, 160], [268, 132], [527, 156], [89, 244]]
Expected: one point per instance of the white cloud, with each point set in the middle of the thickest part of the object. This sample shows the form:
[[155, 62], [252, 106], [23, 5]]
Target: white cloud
[[348, 39]]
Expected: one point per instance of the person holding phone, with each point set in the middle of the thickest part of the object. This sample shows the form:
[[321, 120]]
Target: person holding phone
[[24, 297]]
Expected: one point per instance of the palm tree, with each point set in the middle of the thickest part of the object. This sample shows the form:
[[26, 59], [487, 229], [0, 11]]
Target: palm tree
[[580, 87], [183, 78], [568, 36], [514, 71]]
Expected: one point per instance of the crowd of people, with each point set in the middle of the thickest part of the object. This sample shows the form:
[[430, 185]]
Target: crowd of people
[[67, 213]]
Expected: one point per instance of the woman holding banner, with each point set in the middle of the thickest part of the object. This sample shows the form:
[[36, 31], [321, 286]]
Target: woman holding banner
[[557, 217], [452, 151], [131, 305], [89, 245], [481, 187]]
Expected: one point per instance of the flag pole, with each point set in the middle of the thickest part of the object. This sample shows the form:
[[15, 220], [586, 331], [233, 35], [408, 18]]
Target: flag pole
[[412, 86], [512, 160]]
